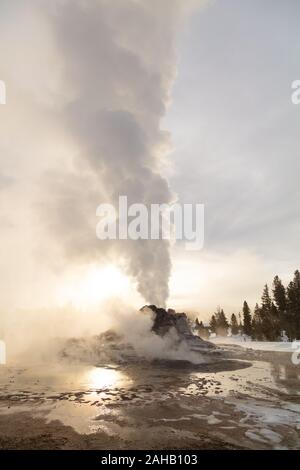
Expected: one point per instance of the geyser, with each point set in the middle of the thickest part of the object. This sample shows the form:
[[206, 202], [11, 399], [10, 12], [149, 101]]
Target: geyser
[[168, 321], [151, 334]]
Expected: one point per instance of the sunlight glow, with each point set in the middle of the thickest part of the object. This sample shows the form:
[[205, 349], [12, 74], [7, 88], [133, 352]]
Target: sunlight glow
[[89, 288], [101, 378]]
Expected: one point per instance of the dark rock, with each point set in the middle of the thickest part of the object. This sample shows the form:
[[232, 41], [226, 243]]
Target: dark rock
[[165, 320]]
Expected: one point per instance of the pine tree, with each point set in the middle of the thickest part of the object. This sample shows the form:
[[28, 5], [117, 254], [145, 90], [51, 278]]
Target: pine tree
[[234, 325], [213, 324], [279, 294], [197, 326], [280, 299], [222, 323], [269, 317], [293, 307], [240, 321], [256, 324], [266, 301], [247, 320], [203, 331]]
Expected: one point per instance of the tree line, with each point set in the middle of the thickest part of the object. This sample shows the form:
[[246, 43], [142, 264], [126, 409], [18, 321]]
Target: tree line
[[278, 314]]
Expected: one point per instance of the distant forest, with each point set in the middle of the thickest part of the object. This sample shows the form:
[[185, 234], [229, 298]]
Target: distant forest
[[275, 318]]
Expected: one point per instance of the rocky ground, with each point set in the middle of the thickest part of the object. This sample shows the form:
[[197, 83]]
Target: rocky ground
[[250, 400]]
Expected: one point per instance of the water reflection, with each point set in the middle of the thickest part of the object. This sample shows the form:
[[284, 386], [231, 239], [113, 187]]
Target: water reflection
[[286, 375], [100, 377]]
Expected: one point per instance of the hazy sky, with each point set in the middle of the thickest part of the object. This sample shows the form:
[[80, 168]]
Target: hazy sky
[[236, 139], [97, 95]]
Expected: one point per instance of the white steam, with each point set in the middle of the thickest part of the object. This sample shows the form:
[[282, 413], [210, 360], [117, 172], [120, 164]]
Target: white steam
[[35, 337], [119, 63], [88, 83]]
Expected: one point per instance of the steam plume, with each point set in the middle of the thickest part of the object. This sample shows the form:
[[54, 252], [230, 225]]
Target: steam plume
[[120, 62], [95, 88]]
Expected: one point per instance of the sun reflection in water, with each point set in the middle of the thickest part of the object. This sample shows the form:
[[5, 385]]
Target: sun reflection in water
[[100, 377]]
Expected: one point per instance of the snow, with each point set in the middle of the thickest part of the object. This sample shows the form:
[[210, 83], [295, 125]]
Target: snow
[[264, 435], [213, 420], [271, 435], [255, 437], [246, 342], [272, 415]]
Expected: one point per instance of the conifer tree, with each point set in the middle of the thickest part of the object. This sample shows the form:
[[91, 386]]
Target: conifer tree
[[222, 323], [234, 325], [202, 330], [247, 320], [266, 301], [279, 294], [269, 317], [293, 307], [213, 324], [280, 299], [256, 324]]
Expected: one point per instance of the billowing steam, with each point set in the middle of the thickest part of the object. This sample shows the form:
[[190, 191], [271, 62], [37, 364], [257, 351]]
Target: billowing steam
[[88, 82], [119, 64]]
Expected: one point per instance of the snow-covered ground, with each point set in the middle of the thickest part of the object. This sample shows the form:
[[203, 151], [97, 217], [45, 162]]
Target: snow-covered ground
[[280, 346]]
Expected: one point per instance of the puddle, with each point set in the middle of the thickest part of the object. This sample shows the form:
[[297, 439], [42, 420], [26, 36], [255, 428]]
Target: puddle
[[258, 405]]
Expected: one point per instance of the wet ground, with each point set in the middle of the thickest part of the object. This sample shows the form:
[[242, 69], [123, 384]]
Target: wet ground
[[251, 401]]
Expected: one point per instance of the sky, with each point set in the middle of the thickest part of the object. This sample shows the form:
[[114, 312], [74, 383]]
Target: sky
[[156, 100], [236, 145]]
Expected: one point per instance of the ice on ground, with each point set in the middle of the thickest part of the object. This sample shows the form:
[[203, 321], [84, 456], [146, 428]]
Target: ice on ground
[[277, 346], [255, 437], [271, 435], [268, 414], [213, 420]]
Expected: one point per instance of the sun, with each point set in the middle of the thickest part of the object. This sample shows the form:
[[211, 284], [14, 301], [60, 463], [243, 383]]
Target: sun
[[91, 286]]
